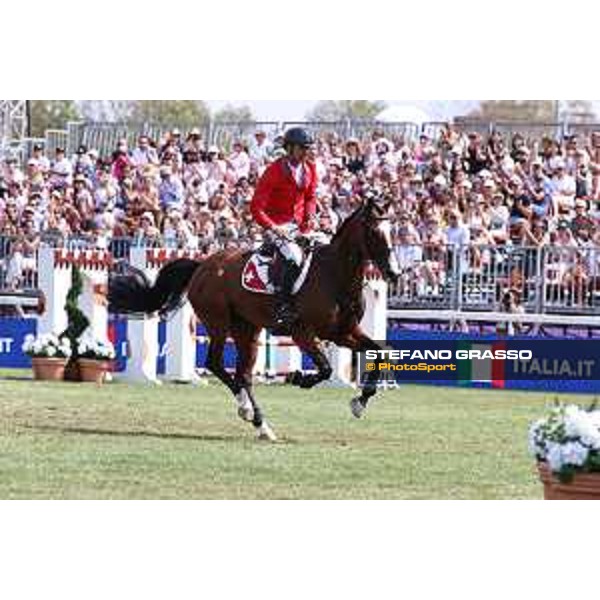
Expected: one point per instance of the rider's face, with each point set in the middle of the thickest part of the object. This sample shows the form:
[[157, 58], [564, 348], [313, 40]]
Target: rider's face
[[299, 153]]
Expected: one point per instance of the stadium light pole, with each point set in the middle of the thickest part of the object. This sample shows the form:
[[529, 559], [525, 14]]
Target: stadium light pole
[[28, 117]]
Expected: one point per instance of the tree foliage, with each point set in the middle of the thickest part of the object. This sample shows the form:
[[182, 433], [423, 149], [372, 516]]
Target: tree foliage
[[234, 114], [105, 110], [51, 114], [184, 113], [516, 110], [335, 110]]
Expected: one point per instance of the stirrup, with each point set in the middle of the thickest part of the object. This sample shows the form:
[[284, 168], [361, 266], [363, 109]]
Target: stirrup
[[285, 317]]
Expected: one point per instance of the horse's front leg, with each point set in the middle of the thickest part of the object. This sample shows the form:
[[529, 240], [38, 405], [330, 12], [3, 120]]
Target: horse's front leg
[[359, 341]]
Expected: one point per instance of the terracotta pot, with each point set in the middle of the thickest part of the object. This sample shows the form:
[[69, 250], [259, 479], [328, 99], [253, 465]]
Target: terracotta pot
[[93, 371], [583, 486], [48, 369], [547, 480], [72, 370]]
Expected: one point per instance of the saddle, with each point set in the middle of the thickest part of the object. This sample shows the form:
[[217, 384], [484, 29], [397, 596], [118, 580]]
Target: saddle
[[263, 268]]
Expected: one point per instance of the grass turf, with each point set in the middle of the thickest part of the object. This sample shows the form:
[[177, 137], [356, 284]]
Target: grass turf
[[120, 441]]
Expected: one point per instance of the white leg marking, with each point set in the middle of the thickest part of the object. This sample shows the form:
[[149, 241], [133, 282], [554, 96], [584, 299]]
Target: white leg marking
[[357, 407], [245, 408], [266, 433]]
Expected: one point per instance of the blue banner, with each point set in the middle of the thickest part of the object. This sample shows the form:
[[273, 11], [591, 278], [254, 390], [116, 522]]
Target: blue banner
[[12, 336], [495, 360], [544, 375]]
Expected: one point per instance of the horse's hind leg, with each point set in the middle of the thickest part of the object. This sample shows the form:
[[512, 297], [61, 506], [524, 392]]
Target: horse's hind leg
[[246, 340], [214, 362], [324, 370]]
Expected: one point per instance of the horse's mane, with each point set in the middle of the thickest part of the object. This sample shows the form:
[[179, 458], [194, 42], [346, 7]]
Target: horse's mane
[[346, 225]]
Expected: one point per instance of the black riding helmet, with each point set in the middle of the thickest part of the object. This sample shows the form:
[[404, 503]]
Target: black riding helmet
[[299, 136]]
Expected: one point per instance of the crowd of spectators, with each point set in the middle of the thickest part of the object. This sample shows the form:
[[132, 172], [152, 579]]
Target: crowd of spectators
[[460, 188]]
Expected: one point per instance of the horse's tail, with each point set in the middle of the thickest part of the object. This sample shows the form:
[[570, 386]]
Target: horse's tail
[[132, 292]]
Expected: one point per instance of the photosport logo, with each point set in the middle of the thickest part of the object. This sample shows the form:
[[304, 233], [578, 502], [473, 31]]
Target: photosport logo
[[493, 361]]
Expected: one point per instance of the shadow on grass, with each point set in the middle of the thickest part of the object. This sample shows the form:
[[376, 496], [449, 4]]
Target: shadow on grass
[[147, 434]]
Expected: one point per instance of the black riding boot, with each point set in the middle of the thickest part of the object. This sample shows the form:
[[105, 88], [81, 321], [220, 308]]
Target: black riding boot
[[285, 315]]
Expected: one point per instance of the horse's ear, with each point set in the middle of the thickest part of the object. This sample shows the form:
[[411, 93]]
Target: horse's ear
[[369, 200], [377, 204]]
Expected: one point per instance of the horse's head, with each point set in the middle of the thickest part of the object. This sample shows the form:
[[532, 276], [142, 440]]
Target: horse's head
[[377, 234]]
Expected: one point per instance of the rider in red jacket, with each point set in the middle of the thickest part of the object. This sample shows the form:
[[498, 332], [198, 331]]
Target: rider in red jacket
[[284, 204]]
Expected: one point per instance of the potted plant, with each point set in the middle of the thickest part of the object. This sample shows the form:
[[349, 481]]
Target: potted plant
[[566, 445], [77, 323], [95, 358], [49, 355]]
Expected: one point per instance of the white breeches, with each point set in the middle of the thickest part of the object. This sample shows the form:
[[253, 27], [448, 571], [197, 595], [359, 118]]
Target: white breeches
[[288, 248]]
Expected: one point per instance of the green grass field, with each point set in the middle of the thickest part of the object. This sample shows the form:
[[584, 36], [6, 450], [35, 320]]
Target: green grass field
[[121, 441]]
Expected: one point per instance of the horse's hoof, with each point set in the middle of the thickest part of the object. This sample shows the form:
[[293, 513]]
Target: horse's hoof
[[357, 407], [265, 433], [294, 378], [246, 413]]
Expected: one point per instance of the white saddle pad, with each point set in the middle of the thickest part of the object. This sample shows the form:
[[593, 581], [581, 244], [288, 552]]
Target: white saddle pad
[[255, 275]]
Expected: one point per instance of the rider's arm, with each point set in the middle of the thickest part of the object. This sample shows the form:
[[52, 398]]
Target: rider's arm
[[262, 193], [310, 203]]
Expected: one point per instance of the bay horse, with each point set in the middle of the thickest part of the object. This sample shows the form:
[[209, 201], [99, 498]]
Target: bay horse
[[329, 305]]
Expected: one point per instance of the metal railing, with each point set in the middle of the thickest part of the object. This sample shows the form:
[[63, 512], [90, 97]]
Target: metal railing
[[18, 266], [477, 278], [549, 279]]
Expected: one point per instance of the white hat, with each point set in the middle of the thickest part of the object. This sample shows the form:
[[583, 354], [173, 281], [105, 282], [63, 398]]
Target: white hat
[[148, 215], [439, 180], [508, 164], [384, 141], [214, 149], [484, 174], [466, 184], [119, 214], [489, 183]]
